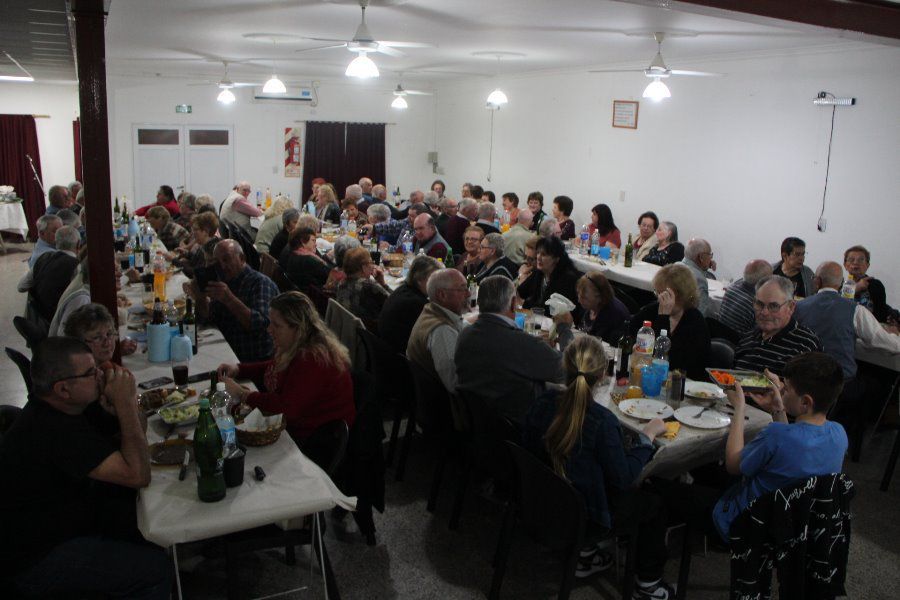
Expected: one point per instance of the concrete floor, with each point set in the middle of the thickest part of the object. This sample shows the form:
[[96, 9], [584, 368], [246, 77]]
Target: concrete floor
[[417, 557]]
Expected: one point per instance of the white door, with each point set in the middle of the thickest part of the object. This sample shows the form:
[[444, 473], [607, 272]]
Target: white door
[[209, 161], [158, 160]]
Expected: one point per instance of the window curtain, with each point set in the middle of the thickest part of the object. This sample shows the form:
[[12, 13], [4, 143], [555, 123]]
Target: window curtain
[[18, 138], [342, 153], [76, 137]]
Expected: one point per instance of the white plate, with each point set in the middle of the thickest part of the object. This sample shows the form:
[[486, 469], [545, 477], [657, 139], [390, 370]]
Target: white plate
[[645, 408], [703, 390], [711, 419]]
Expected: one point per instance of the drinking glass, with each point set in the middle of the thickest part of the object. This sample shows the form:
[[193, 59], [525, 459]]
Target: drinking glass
[[180, 372], [651, 380], [537, 320]]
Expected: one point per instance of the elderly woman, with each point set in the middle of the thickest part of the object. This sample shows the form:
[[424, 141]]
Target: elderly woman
[[187, 208], [470, 262], [272, 224], [93, 325], [380, 213], [677, 313], [170, 233], [288, 220], [556, 274], [604, 315], [492, 260], [304, 266], [562, 210], [341, 245], [602, 222], [351, 213], [668, 249], [403, 306], [205, 230], [646, 240], [870, 292], [308, 380], [364, 291], [511, 206], [304, 221], [327, 210]]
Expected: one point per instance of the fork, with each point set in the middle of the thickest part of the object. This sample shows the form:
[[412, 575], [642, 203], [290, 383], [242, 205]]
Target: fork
[[702, 410]]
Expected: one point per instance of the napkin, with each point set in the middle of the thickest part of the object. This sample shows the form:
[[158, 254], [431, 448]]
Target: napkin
[[559, 304], [672, 428], [255, 421]]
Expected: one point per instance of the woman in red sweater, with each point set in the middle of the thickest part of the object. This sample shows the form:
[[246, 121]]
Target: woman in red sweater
[[308, 379]]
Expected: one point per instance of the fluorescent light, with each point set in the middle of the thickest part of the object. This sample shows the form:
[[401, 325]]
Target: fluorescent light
[[362, 67], [497, 98], [399, 102], [657, 90], [16, 78], [274, 86], [225, 96]]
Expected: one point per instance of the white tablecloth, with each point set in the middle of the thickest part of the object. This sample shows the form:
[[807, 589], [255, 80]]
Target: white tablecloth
[[12, 218]]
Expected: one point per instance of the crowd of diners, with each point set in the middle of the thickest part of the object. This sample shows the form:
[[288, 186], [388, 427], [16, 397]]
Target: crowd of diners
[[74, 457]]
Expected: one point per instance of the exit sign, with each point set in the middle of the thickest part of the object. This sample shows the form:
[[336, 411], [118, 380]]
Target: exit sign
[[183, 108]]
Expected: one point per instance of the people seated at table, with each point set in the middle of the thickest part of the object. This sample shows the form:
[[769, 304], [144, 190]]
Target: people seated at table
[[279, 242], [304, 221], [272, 224], [307, 379], [793, 255], [327, 208], [454, 226], [354, 192], [558, 275], [603, 315], [315, 184], [645, 240], [549, 228], [170, 233], [778, 336], [74, 187], [204, 230], [428, 239], [468, 208], [46, 241], [603, 223], [238, 209], [486, 216], [493, 261], [510, 203], [77, 206], [469, 262], [466, 190], [405, 303], [60, 536], [305, 267], [562, 210], [870, 292], [237, 303], [582, 442], [389, 232], [668, 249], [536, 206], [433, 203], [432, 339], [93, 325], [736, 312], [51, 274], [165, 197], [364, 291], [58, 198], [698, 257], [350, 212], [477, 192], [341, 246], [677, 313], [518, 234], [499, 363], [488, 196], [365, 186], [187, 208], [378, 217], [528, 277]]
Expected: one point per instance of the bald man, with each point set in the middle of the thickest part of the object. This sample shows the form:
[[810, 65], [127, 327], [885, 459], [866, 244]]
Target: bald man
[[238, 209], [736, 312], [698, 257], [428, 238]]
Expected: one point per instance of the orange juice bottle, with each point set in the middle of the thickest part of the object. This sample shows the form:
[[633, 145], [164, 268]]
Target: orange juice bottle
[[159, 277]]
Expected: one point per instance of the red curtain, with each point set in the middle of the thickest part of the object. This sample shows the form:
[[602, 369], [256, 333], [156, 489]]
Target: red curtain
[[18, 138], [76, 137]]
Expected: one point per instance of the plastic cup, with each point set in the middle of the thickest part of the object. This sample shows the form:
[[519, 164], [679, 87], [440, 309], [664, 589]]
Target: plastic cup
[[520, 320], [233, 469], [651, 381], [604, 252]]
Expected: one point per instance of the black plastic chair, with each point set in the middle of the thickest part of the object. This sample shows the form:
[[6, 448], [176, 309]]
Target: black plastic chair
[[24, 366], [891, 464], [626, 299], [717, 329], [31, 333], [8, 416], [721, 354], [327, 445]]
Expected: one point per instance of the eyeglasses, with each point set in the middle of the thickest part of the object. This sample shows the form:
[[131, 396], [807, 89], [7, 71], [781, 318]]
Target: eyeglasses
[[103, 337], [770, 307], [483, 247], [91, 373], [472, 239], [861, 260]]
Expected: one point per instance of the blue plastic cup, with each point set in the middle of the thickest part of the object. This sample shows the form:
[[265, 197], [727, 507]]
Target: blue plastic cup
[[604, 252], [651, 381], [520, 320]]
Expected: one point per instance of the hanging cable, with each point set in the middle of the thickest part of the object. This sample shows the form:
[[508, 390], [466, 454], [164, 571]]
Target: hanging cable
[[491, 150], [828, 160]]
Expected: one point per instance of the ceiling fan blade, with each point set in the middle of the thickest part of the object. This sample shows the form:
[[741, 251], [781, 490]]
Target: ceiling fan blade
[[318, 39], [405, 44], [616, 71], [246, 84], [204, 83], [389, 51], [417, 93], [696, 73], [344, 45]]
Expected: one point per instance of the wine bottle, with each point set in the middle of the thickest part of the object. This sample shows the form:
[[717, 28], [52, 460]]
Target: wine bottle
[[190, 324], [629, 252]]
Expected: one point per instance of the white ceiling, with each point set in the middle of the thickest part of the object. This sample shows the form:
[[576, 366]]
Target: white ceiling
[[185, 38]]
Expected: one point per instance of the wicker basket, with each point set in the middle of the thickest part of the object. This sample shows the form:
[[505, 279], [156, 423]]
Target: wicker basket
[[260, 438]]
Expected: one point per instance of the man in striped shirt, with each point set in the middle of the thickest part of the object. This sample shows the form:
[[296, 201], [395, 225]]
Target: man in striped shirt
[[777, 336], [737, 312]]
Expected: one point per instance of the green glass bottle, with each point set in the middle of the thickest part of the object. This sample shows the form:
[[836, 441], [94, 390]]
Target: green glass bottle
[[208, 454], [629, 252], [448, 262]]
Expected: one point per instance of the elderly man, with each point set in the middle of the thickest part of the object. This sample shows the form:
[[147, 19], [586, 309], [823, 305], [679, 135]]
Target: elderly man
[[777, 337], [493, 260], [499, 363], [468, 208], [549, 227], [238, 209], [238, 304], [392, 230], [170, 233], [402, 308], [64, 535], [417, 197], [793, 255], [736, 312], [74, 188], [52, 273], [433, 202], [76, 194], [518, 235], [289, 220], [428, 238], [454, 226], [432, 342], [365, 186], [165, 197], [698, 258], [466, 191], [486, 216], [355, 192], [46, 226], [59, 198], [379, 194]]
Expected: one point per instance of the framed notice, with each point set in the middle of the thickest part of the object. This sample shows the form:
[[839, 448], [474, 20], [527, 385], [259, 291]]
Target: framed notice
[[625, 114]]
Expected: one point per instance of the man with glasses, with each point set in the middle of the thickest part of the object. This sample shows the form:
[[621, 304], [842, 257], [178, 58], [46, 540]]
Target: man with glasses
[[58, 466], [453, 227], [698, 257], [238, 209], [793, 255], [777, 337], [427, 237], [493, 260]]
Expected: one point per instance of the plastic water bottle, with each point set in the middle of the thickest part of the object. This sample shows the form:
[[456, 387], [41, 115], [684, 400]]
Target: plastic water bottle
[[585, 240], [220, 403], [350, 228], [133, 228], [405, 243], [662, 346], [595, 244], [848, 290]]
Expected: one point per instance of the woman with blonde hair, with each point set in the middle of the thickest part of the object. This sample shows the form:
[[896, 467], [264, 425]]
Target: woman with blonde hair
[[582, 442], [327, 209], [308, 379], [272, 223]]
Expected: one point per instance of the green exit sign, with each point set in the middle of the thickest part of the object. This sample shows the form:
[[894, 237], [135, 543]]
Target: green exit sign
[[183, 108]]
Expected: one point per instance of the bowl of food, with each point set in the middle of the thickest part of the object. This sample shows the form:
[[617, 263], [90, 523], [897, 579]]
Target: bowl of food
[[153, 400], [751, 381], [180, 414]]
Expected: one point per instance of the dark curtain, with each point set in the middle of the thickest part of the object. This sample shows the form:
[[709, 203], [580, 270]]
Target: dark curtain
[[365, 152], [18, 137], [76, 136]]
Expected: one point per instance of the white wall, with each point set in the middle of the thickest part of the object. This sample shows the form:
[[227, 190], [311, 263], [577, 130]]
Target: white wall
[[739, 160], [55, 143], [259, 128]]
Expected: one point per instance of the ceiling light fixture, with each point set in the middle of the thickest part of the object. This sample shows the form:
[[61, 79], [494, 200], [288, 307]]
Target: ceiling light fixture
[[399, 102], [362, 67], [27, 78], [497, 98], [273, 85], [657, 90], [226, 96]]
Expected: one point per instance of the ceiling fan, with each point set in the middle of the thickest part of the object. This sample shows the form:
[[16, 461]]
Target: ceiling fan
[[658, 70], [362, 44], [226, 96], [400, 94]]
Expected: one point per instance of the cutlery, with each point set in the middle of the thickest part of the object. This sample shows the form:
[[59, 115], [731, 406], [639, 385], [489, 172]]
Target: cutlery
[[169, 431], [182, 473]]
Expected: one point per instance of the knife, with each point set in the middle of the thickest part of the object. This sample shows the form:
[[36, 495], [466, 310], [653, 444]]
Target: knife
[[183, 472]]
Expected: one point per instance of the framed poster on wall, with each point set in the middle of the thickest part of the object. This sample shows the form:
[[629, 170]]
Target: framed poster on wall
[[625, 114], [293, 152]]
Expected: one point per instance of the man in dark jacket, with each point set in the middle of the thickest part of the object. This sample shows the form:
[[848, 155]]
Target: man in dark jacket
[[52, 273], [403, 306]]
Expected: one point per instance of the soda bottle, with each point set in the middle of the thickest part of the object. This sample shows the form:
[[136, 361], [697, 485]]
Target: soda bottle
[[208, 456], [221, 410], [848, 290], [585, 240], [643, 351], [629, 252], [268, 198], [595, 244]]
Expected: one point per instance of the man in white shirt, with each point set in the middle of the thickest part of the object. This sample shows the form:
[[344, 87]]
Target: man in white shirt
[[519, 233], [238, 209], [46, 226]]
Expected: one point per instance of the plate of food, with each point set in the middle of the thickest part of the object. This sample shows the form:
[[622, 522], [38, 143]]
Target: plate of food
[[155, 399], [171, 452], [645, 408], [702, 417], [702, 390], [751, 381], [180, 414]]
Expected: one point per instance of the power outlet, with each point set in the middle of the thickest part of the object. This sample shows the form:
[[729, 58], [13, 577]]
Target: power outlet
[[823, 222]]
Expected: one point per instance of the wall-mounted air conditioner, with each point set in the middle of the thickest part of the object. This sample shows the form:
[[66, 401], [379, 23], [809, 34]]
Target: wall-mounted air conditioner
[[294, 94]]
